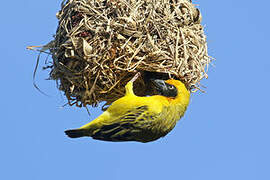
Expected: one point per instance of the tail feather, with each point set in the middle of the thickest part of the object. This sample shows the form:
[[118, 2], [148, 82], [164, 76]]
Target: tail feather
[[76, 133]]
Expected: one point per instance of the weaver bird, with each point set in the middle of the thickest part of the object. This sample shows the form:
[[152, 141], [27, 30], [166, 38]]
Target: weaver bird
[[143, 119]]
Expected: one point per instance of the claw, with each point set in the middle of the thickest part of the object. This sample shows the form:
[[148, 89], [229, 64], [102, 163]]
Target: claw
[[135, 77], [129, 86]]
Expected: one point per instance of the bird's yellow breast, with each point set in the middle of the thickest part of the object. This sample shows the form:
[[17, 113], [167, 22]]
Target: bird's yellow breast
[[154, 104]]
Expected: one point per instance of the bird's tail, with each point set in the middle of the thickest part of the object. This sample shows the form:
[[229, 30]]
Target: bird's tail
[[87, 129], [76, 133]]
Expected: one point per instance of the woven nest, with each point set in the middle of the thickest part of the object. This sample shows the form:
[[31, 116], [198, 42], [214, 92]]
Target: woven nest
[[100, 44]]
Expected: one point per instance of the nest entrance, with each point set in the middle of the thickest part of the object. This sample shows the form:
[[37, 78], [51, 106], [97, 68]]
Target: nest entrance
[[100, 44]]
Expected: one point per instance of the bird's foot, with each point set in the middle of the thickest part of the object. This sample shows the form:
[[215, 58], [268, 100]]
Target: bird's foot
[[135, 77], [129, 86]]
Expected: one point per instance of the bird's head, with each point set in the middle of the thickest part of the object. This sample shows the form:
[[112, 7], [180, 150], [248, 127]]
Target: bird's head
[[173, 89]]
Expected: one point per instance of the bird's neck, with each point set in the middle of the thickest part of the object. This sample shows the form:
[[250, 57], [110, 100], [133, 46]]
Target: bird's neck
[[181, 100]]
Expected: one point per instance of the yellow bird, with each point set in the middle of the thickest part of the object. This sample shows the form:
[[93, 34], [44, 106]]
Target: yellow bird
[[143, 119]]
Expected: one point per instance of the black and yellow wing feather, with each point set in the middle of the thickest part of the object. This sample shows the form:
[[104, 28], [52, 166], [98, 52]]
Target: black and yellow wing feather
[[134, 125]]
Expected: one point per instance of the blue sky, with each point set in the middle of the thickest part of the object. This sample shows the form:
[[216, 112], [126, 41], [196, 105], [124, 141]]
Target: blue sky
[[224, 134]]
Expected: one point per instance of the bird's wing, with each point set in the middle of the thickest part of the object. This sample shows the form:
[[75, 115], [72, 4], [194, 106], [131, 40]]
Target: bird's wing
[[129, 127]]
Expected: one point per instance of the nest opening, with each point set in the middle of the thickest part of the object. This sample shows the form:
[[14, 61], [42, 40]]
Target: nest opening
[[100, 44]]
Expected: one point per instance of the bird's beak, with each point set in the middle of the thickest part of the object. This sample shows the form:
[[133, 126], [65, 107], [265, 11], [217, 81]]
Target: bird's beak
[[159, 85]]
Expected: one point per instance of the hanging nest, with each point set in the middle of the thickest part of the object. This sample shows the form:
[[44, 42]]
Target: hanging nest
[[100, 44]]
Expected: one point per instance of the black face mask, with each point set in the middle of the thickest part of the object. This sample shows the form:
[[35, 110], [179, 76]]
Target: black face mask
[[164, 88]]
